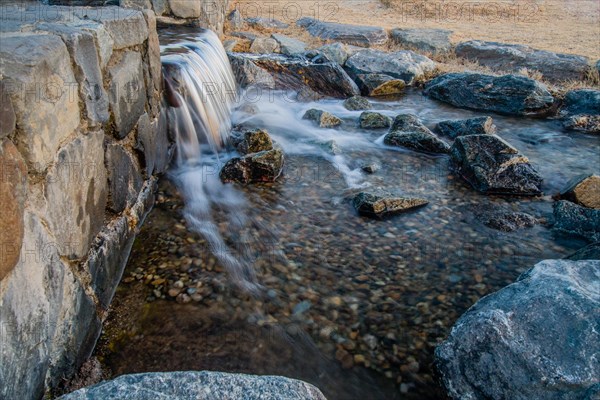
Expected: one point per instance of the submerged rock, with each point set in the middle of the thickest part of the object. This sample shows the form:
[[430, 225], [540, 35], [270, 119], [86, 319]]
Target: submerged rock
[[589, 252], [576, 220], [508, 221], [405, 64], [379, 84], [583, 190], [374, 120], [373, 205], [322, 118], [277, 71], [371, 168], [365, 36], [407, 131], [537, 338], [514, 57], [356, 103], [463, 127], [435, 41], [493, 166], [508, 94], [198, 385]]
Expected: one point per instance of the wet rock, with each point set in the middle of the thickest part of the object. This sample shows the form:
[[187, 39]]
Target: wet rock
[[266, 23], [589, 252], [514, 57], [199, 385], [365, 36], [374, 120], [152, 140], [583, 123], [493, 166], [583, 190], [463, 127], [289, 45], [508, 94], [235, 19], [124, 177], [264, 46], [322, 118], [292, 72], [379, 84], [374, 205], [405, 64], [371, 168], [254, 142], [264, 166], [435, 41], [13, 192], [407, 131], [535, 338], [576, 220], [508, 221], [356, 103]]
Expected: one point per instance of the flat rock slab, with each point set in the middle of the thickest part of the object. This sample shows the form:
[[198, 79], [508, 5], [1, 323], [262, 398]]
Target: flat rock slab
[[435, 41], [514, 57], [573, 219], [537, 338], [407, 131], [194, 385], [292, 72], [493, 166], [405, 64], [364, 36], [373, 205], [508, 94]]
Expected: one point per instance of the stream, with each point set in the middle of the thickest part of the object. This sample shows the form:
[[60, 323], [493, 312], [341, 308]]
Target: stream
[[285, 278]]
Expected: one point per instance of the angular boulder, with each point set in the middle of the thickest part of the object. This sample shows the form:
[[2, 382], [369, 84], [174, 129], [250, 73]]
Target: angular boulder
[[356, 103], [405, 64], [359, 35], [407, 131], [581, 110], [322, 118], [255, 141], [374, 120], [288, 45], [235, 20], [514, 57], [264, 166], [464, 127], [264, 46], [379, 84], [583, 190], [435, 41], [373, 205], [292, 72], [338, 52], [537, 338], [573, 219], [493, 166], [508, 94], [198, 385]]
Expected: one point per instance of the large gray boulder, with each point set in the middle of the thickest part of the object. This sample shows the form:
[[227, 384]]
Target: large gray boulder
[[493, 166], [514, 57], [538, 338], [289, 45], [573, 219], [581, 110], [435, 41], [508, 94], [359, 35], [405, 64], [198, 385], [292, 72], [407, 131]]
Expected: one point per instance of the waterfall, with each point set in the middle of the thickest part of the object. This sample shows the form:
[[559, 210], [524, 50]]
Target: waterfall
[[200, 92]]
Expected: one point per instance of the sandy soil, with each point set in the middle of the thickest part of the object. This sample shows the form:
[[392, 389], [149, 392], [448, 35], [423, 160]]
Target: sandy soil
[[568, 26]]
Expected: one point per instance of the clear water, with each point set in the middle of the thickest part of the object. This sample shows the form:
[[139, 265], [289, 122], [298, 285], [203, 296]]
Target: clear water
[[295, 283]]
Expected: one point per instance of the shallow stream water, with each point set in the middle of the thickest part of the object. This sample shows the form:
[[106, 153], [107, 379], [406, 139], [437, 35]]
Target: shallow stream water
[[353, 305]]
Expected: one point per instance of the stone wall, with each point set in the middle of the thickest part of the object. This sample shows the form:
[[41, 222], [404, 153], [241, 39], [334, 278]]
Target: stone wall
[[81, 141]]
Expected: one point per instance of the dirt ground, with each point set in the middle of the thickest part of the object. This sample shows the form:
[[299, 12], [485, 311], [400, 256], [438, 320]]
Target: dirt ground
[[566, 26]]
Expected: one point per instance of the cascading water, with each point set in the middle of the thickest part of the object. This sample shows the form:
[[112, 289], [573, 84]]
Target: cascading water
[[200, 91]]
